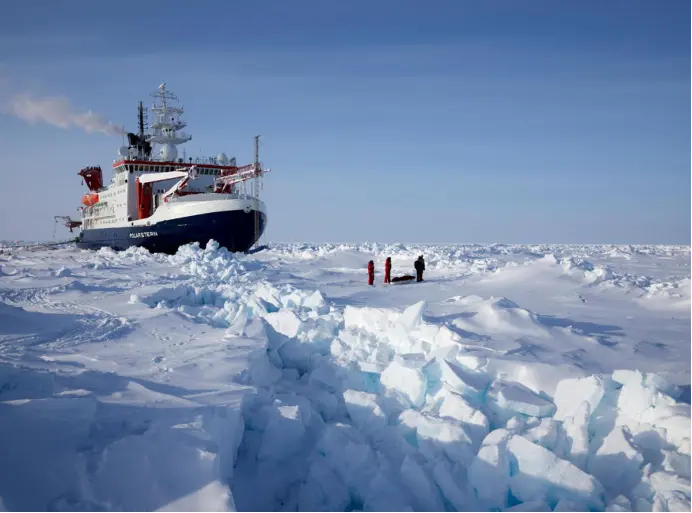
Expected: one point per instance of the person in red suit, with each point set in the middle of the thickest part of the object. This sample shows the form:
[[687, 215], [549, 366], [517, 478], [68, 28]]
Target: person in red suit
[[371, 272], [388, 270]]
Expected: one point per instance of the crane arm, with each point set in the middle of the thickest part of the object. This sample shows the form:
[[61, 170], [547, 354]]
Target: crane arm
[[224, 183]]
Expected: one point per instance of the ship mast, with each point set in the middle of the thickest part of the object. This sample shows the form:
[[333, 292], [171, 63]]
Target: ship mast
[[257, 186], [165, 130]]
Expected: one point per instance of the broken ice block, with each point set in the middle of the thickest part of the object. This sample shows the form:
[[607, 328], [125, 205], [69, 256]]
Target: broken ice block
[[540, 474], [518, 398]]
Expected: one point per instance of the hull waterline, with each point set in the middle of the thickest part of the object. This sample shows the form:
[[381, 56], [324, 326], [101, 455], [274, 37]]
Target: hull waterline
[[234, 230]]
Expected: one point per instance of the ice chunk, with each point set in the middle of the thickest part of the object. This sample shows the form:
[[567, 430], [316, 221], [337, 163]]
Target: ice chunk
[[675, 419], [292, 300], [635, 398], [489, 472], [468, 383], [576, 433], [384, 495], [458, 497], [322, 489], [619, 503], [406, 383], [571, 392], [446, 339], [566, 505], [537, 505], [516, 424], [283, 434], [324, 377], [323, 401], [297, 355], [413, 315], [437, 436], [544, 434], [426, 494], [617, 464], [284, 321], [677, 463], [654, 382], [314, 300], [349, 455], [236, 326], [364, 410], [666, 482], [454, 406], [540, 474], [671, 501], [262, 372], [372, 367], [369, 319], [518, 398]]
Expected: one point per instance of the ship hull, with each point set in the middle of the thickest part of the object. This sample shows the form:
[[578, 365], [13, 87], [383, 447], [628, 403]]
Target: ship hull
[[235, 230]]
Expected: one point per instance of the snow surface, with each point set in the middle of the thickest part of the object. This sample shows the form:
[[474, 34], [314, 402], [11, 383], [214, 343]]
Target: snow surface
[[515, 377]]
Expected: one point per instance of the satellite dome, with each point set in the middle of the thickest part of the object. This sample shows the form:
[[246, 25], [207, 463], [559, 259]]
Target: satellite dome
[[168, 153], [222, 159], [124, 151]]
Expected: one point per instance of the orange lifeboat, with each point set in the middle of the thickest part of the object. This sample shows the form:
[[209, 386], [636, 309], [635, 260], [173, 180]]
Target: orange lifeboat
[[90, 199]]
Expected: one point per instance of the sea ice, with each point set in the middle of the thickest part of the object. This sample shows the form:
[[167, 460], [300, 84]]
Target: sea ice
[[617, 464], [489, 472], [421, 486], [535, 505], [406, 383], [571, 392], [516, 397], [322, 489], [364, 410], [283, 435], [540, 474]]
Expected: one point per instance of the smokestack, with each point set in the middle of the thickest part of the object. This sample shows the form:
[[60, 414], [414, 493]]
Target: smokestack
[[57, 111]]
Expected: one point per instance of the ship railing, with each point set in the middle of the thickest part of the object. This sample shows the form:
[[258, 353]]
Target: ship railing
[[213, 161], [177, 135]]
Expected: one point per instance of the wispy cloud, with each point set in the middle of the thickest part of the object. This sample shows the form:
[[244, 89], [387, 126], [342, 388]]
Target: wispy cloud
[[58, 111]]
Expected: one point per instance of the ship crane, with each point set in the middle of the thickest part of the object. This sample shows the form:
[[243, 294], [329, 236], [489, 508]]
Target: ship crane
[[67, 221], [190, 174], [224, 183], [185, 175]]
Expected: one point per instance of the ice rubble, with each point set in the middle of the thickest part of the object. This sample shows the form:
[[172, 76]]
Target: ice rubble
[[376, 409], [400, 420]]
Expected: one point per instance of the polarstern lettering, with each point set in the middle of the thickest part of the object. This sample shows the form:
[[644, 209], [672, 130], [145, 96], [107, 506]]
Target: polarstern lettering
[[141, 235]]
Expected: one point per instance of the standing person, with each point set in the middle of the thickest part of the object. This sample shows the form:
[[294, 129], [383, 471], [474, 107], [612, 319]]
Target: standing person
[[420, 267], [388, 270], [371, 272]]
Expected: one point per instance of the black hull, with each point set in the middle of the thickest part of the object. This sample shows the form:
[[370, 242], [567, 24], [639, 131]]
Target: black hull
[[234, 230]]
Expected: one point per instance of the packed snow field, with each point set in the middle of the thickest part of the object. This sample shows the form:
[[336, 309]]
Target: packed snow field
[[515, 377]]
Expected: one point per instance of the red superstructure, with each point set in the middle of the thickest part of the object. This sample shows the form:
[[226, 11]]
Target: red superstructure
[[93, 176]]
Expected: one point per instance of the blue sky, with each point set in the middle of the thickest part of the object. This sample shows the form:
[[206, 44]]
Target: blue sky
[[443, 121]]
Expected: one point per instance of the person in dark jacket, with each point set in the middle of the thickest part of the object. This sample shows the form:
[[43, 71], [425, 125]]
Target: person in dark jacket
[[420, 267], [371, 272], [388, 270]]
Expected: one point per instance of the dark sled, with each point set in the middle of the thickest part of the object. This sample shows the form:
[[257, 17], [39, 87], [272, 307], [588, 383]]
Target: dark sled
[[399, 279]]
